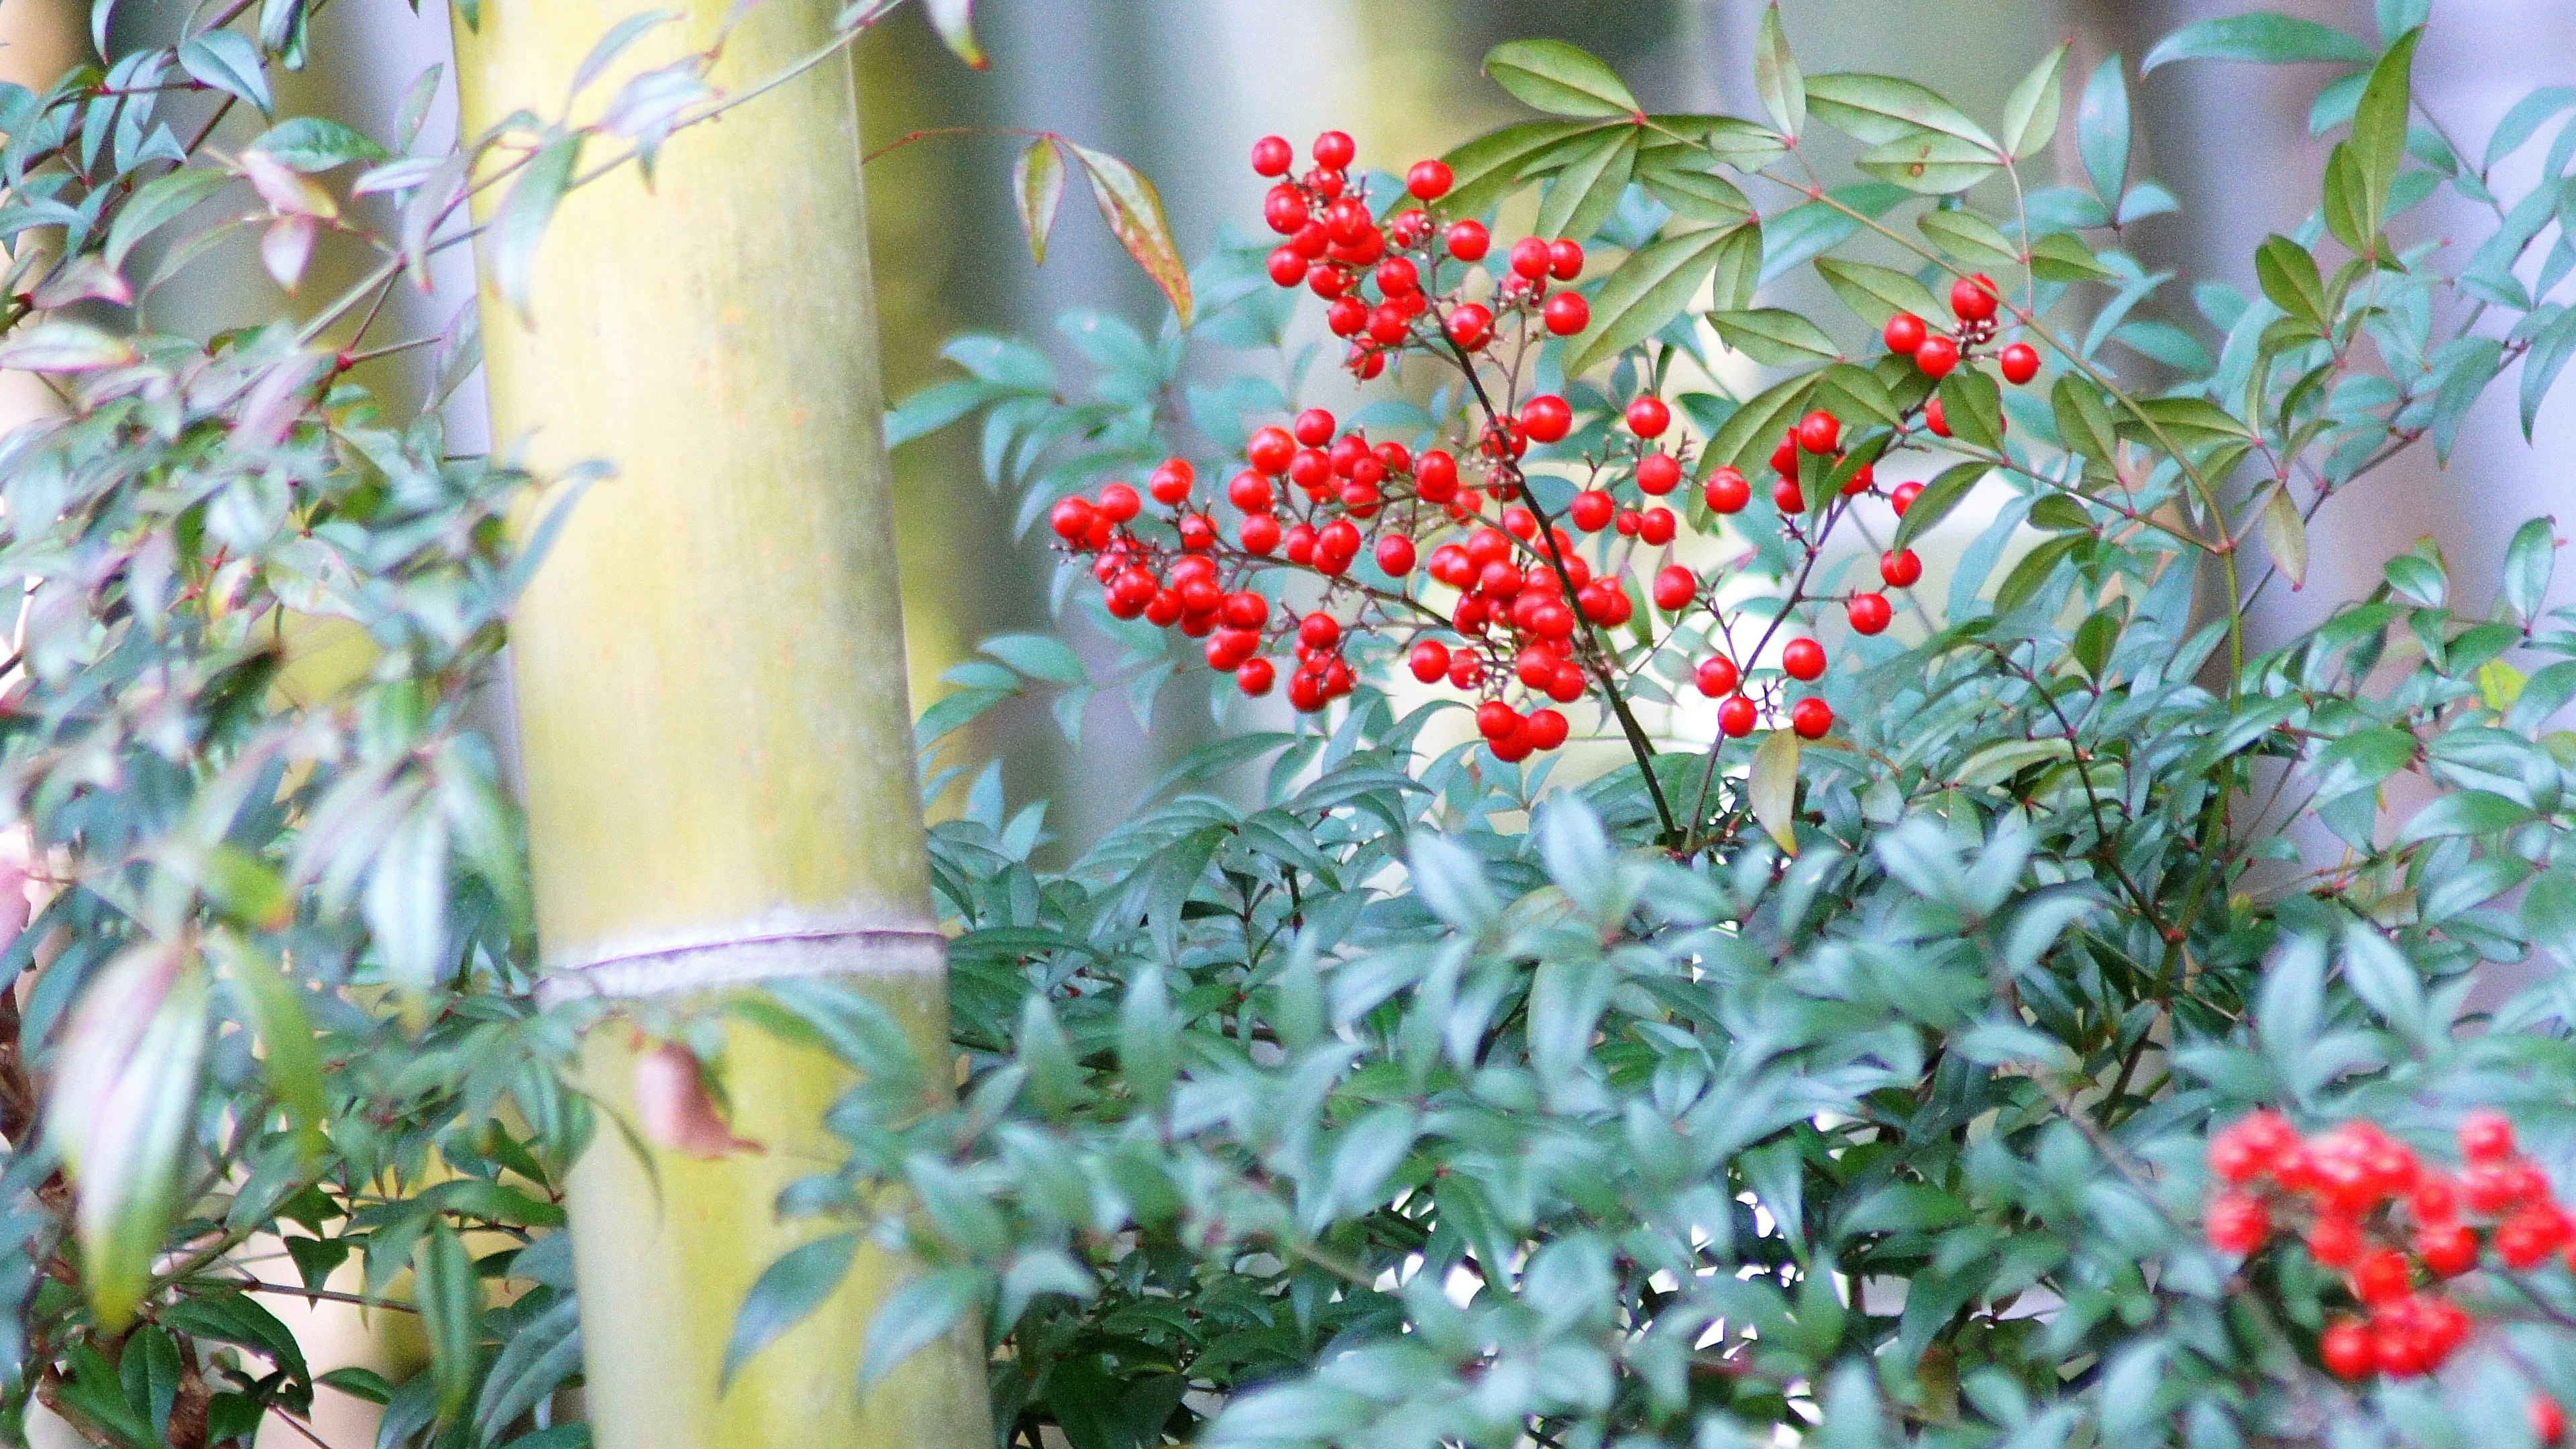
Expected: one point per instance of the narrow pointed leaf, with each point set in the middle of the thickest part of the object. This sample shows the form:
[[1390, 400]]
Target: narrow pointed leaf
[[2031, 111], [1560, 79], [1134, 211], [1037, 186], [1773, 787]]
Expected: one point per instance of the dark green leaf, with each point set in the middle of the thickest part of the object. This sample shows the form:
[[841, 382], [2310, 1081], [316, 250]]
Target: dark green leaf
[[2262, 37], [1560, 79], [785, 1294], [1646, 291]]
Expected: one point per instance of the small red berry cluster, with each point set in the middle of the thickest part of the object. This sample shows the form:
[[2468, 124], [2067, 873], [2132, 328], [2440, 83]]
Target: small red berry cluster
[[2365, 1205], [1973, 301], [1524, 604]]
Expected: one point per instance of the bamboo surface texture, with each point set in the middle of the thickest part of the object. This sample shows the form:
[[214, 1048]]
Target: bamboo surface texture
[[709, 674]]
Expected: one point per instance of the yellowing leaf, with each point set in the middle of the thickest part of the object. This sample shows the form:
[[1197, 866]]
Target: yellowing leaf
[[2285, 536], [1037, 186], [1773, 788]]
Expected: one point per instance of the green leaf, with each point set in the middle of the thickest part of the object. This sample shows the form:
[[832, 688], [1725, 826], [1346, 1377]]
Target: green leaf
[[1878, 109], [1773, 335], [1491, 167], [2034, 571], [2420, 579], [2102, 130], [449, 1295], [786, 1293], [2289, 277], [2063, 257], [2528, 561], [2261, 37], [311, 143], [1560, 79], [2285, 536], [2466, 812], [1693, 195], [1039, 656], [157, 203], [1582, 195], [917, 1315], [1776, 75], [1944, 493], [1854, 394], [1876, 293], [1037, 188], [2347, 201], [1973, 406], [229, 63], [1750, 431], [1929, 163], [953, 20], [2084, 419], [268, 1000], [1134, 211], [2031, 111], [1772, 787], [2379, 124], [1969, 237], [1738, 272], [2464, 380], [2191, 423], [1646, 291], [521, 222], [542, 1352], [2549, 913]]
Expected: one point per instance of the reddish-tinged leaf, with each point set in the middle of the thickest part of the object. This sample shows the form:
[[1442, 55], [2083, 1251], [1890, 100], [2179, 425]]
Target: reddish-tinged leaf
[[1134, 211]]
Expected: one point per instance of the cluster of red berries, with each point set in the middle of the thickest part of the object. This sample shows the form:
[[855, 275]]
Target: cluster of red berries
[[2365, 1205], [1524, 602], [1973, 301]]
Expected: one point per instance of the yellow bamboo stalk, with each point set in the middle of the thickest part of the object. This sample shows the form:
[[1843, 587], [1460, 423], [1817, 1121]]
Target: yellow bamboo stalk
[[710, 691]]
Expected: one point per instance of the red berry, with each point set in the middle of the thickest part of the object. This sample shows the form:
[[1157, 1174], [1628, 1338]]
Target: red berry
[[1347, 317], [1566, 313], [1529, 258], [1802, 658], [1935, 418], [1395, 555], [1675, 587], [2345, 1348], [1648, 416], [1198, 535], [1272, 156], [1869, 613], [1286, 267], [1900, 568], [1788, 497], [1658, 474], [1784, 458], [1861, 480], [2434, 1198], [2486, 1136], [1269, 450], [1470, 325], [1250, 492], [2020, 363], [2448, 1249], [1818, 431], [1546, 728], [1546, 418], [2334, 1241], [1259, 535], [1172, 480], [1255, 676], [1495, 719], [1737, 716], [1429, 660], [1118, 503], [1319, 630], [2238, 1224], [1348, 222], [1972, 299], [1591, 510], [1812, 718], [1726, 491], [1429, 180], [1335, 149], [1284, 208], [1717, 676], [1468, 240], [1902, 496], [2526, 1240], [1435, 476], [1311, 241], [2548, 1421], [1936, 356], [1071, 519], [2382, 1277], [1904, 333], [1655, 526], [1314, 427]]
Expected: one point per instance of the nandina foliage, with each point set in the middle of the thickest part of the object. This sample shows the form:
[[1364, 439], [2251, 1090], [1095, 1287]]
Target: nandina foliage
[[1825, 1033]]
